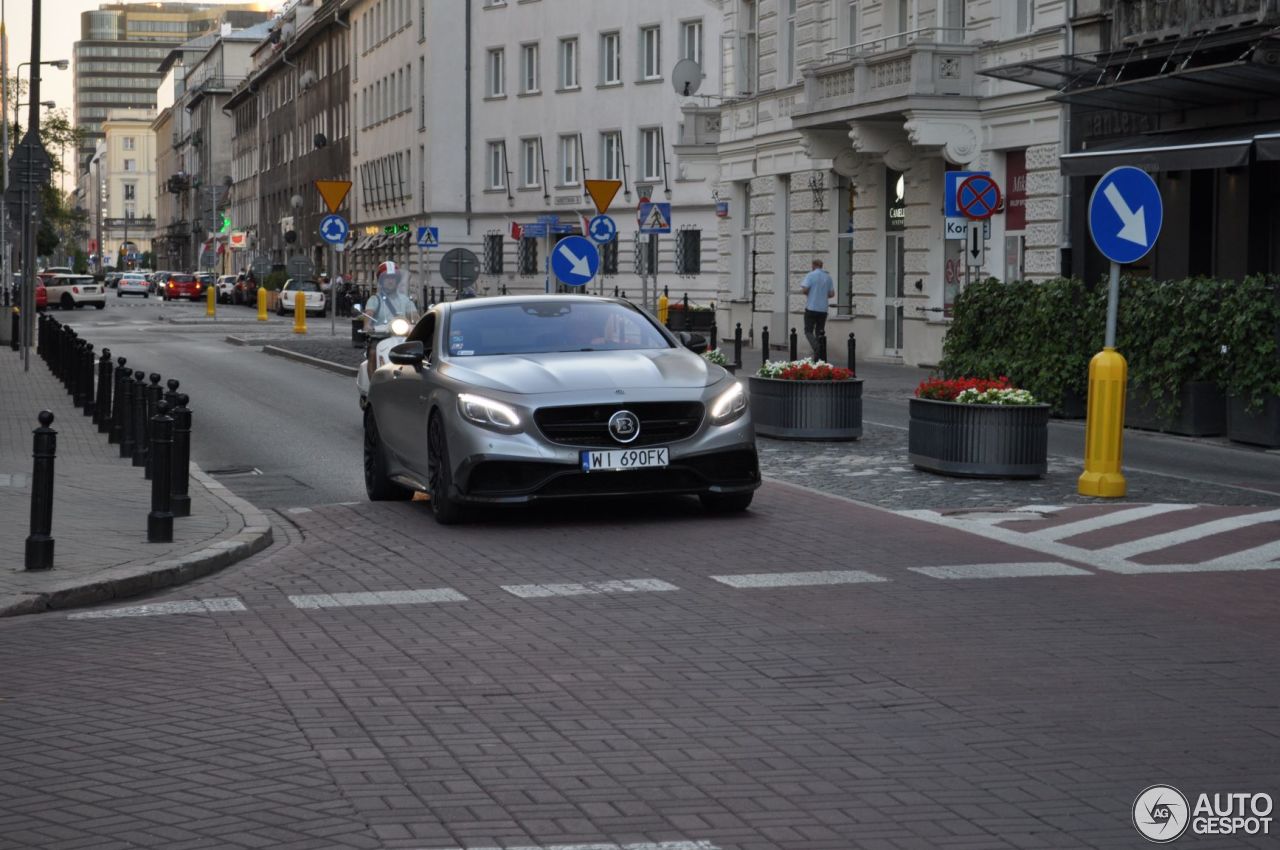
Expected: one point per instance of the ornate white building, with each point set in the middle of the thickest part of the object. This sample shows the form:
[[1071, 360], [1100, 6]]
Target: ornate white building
[[841, 122]]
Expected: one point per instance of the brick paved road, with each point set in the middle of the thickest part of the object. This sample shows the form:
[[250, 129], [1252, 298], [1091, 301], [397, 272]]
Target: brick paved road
[[632, 697]]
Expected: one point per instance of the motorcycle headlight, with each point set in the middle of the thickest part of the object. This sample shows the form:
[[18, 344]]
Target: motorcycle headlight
[[399, 327], [488, 413], [729, 405]]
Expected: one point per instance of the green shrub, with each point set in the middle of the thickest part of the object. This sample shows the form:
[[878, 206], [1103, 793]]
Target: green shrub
[[1250, 319], [275, 280]]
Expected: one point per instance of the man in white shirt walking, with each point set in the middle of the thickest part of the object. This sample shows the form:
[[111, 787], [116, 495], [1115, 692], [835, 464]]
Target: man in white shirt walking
[[818, 289]]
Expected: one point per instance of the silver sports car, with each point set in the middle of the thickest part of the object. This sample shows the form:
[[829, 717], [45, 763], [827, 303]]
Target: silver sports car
[[516, 399]]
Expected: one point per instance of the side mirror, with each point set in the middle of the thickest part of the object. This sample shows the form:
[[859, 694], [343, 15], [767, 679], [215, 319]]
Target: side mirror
[[697, 343], [408, 354]]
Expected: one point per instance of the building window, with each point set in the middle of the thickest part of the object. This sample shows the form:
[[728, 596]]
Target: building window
[[568, 63], [130, 192], [568, 160], [689, 251], [422, 21], [788, 35], [527, 256], [497, 176], [651, 53], [611, 156], [422, 93], [127, 143], [529, 69], [529, 173], [130, 165], [849, 24], [651, 153], [497, 86], [610, 59], [493, 245], [953, 20], [691, 41], [646, 253], [748, 47], [1024, 16]]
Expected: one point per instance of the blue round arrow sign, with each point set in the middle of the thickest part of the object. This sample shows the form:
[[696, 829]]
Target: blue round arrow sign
[[334, 229], [1125, 214], [575, 260], [602, 229]]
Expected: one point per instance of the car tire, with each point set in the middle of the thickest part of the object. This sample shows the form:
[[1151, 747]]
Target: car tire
[[439, 475], [67, 302], [119, 294], [377, 485], [725, 503], [279, 309], [100, 305]]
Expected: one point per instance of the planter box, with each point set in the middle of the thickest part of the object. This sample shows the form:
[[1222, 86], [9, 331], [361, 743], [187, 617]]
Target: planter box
[[695, 321], [1258, 428], [1075, 405], [979, 440], [1200, 411], [806, 410]]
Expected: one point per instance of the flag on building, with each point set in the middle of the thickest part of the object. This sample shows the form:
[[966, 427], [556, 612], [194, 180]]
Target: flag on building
[[515, 229]]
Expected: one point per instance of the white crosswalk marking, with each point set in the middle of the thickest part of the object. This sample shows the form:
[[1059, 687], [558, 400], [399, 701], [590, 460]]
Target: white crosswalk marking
[[196, 606], [1023, 570], [1186, 534], [1266, 555], [809, 579], [1084, 526], [377, 597], [635, 585]]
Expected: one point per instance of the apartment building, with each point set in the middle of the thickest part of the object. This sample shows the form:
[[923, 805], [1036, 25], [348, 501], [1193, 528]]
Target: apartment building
[[840, 123], [123, 180]]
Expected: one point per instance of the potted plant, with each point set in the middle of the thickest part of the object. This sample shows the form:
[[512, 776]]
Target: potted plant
[[693, 317], [716, 356], [1251, 378], [806, 400], [978, 428]]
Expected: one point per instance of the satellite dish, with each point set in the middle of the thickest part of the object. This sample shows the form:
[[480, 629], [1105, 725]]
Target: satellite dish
[[686, 77], [308, 79]]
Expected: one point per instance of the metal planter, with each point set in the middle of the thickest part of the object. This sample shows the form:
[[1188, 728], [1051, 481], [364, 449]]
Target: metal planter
[[1258, 428], [979, 440], [806, 410], [1200, 411]]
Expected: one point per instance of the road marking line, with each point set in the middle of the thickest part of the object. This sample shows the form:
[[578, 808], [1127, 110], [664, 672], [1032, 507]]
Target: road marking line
[[980, 571], [1206, 567], [1267, 552], [1187, 534], [378, 597], [591, 588], [194, 606], [1071, 529], [644, 845], [810, 579], [1024, 540]]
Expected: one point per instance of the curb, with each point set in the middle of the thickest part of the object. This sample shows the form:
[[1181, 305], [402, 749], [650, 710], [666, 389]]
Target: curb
[[327, 365], [123, 582]]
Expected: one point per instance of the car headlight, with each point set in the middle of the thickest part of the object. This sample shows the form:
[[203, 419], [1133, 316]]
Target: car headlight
[[399, 327], [729, 405], [488, 413]]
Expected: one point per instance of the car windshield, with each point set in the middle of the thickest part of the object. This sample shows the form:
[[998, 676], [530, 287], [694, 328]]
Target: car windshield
[[538, 327]]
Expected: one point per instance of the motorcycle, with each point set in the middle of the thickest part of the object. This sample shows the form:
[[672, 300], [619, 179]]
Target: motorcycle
[[380, 339], [391, 320]]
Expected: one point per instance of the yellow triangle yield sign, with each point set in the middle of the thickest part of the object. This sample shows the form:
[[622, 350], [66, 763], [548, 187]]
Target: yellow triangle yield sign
[[602, 193], [333, 192]]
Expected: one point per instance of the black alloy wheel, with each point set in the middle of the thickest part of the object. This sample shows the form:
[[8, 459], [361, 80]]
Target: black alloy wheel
[[439, 475], [377, 485]]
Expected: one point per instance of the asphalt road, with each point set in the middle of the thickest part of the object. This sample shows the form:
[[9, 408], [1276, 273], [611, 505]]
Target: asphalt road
[[298, 426]]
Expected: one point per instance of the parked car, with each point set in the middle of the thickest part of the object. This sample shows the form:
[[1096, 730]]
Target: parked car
[[226, 289], [42, 296], [313, 297], [111, 280], [207, 281], [175, 285], [70, 291], [133, 284], [551, 397]]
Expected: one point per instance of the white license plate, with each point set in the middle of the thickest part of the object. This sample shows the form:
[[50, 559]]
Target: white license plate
[[620, 459]]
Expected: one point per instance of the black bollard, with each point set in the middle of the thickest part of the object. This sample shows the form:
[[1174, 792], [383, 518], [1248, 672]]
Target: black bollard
[[852, 352], [39, 555], [179, 501], [737, 345], [154, 395], [764, 345], [160, 520], [615, 292], [15, 330], [686, 306], [357, 325], [120, 407], [714, 342], [102, 404], [88, 365], [793, 345], [822, 346], [138, 415], [171, 395], [75, 373]]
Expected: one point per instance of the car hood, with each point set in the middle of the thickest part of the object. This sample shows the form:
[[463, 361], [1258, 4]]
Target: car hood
[[570, 371]]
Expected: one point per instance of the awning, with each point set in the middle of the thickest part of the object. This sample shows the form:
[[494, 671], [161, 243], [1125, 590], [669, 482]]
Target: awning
[[1211, 147]]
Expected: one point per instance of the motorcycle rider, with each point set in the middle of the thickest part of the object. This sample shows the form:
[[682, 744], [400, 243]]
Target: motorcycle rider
[[390, 302]]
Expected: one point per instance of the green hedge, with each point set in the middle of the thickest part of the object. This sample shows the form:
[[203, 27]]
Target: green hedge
[[1042, 335]]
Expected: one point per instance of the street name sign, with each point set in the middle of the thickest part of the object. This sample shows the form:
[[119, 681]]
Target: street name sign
[[575, 261], [1125, 214]]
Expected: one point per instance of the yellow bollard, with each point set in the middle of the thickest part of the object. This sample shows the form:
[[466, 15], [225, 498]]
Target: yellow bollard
[[299, 312], [663, 303], [1104, 428], [262, 304], [211, 292]]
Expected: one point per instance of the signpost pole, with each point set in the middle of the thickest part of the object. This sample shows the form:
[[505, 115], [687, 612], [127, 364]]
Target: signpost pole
[[1113, 305], [333, 292]]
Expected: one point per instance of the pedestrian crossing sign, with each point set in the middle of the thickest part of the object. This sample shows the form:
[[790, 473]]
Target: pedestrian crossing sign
[[428, 237], [655, 218]]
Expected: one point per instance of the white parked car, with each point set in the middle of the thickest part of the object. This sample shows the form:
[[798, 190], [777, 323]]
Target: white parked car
[[69, 291], [131, 283], [226, 288], [314, 297]]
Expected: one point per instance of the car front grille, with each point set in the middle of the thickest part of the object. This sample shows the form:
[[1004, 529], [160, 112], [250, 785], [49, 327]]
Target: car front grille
[[587, 425]]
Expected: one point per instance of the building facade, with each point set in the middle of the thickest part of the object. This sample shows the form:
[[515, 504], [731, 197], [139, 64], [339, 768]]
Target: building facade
[[123, 175], [840, 125], [120, 47]]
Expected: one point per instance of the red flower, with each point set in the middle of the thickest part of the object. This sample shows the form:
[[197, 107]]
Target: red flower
[[946, 389]]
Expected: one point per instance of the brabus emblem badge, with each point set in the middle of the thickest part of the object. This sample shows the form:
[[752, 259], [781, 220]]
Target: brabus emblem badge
[[624, 426]]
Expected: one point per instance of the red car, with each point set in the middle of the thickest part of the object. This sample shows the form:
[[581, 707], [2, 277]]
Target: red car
[[179, 285], [42, 295]]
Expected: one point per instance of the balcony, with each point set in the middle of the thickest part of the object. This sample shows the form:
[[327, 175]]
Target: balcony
[[1152, 21], [888, 76]]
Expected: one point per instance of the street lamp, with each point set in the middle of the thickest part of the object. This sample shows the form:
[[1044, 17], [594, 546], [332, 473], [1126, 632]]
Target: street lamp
[[60, 64]]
